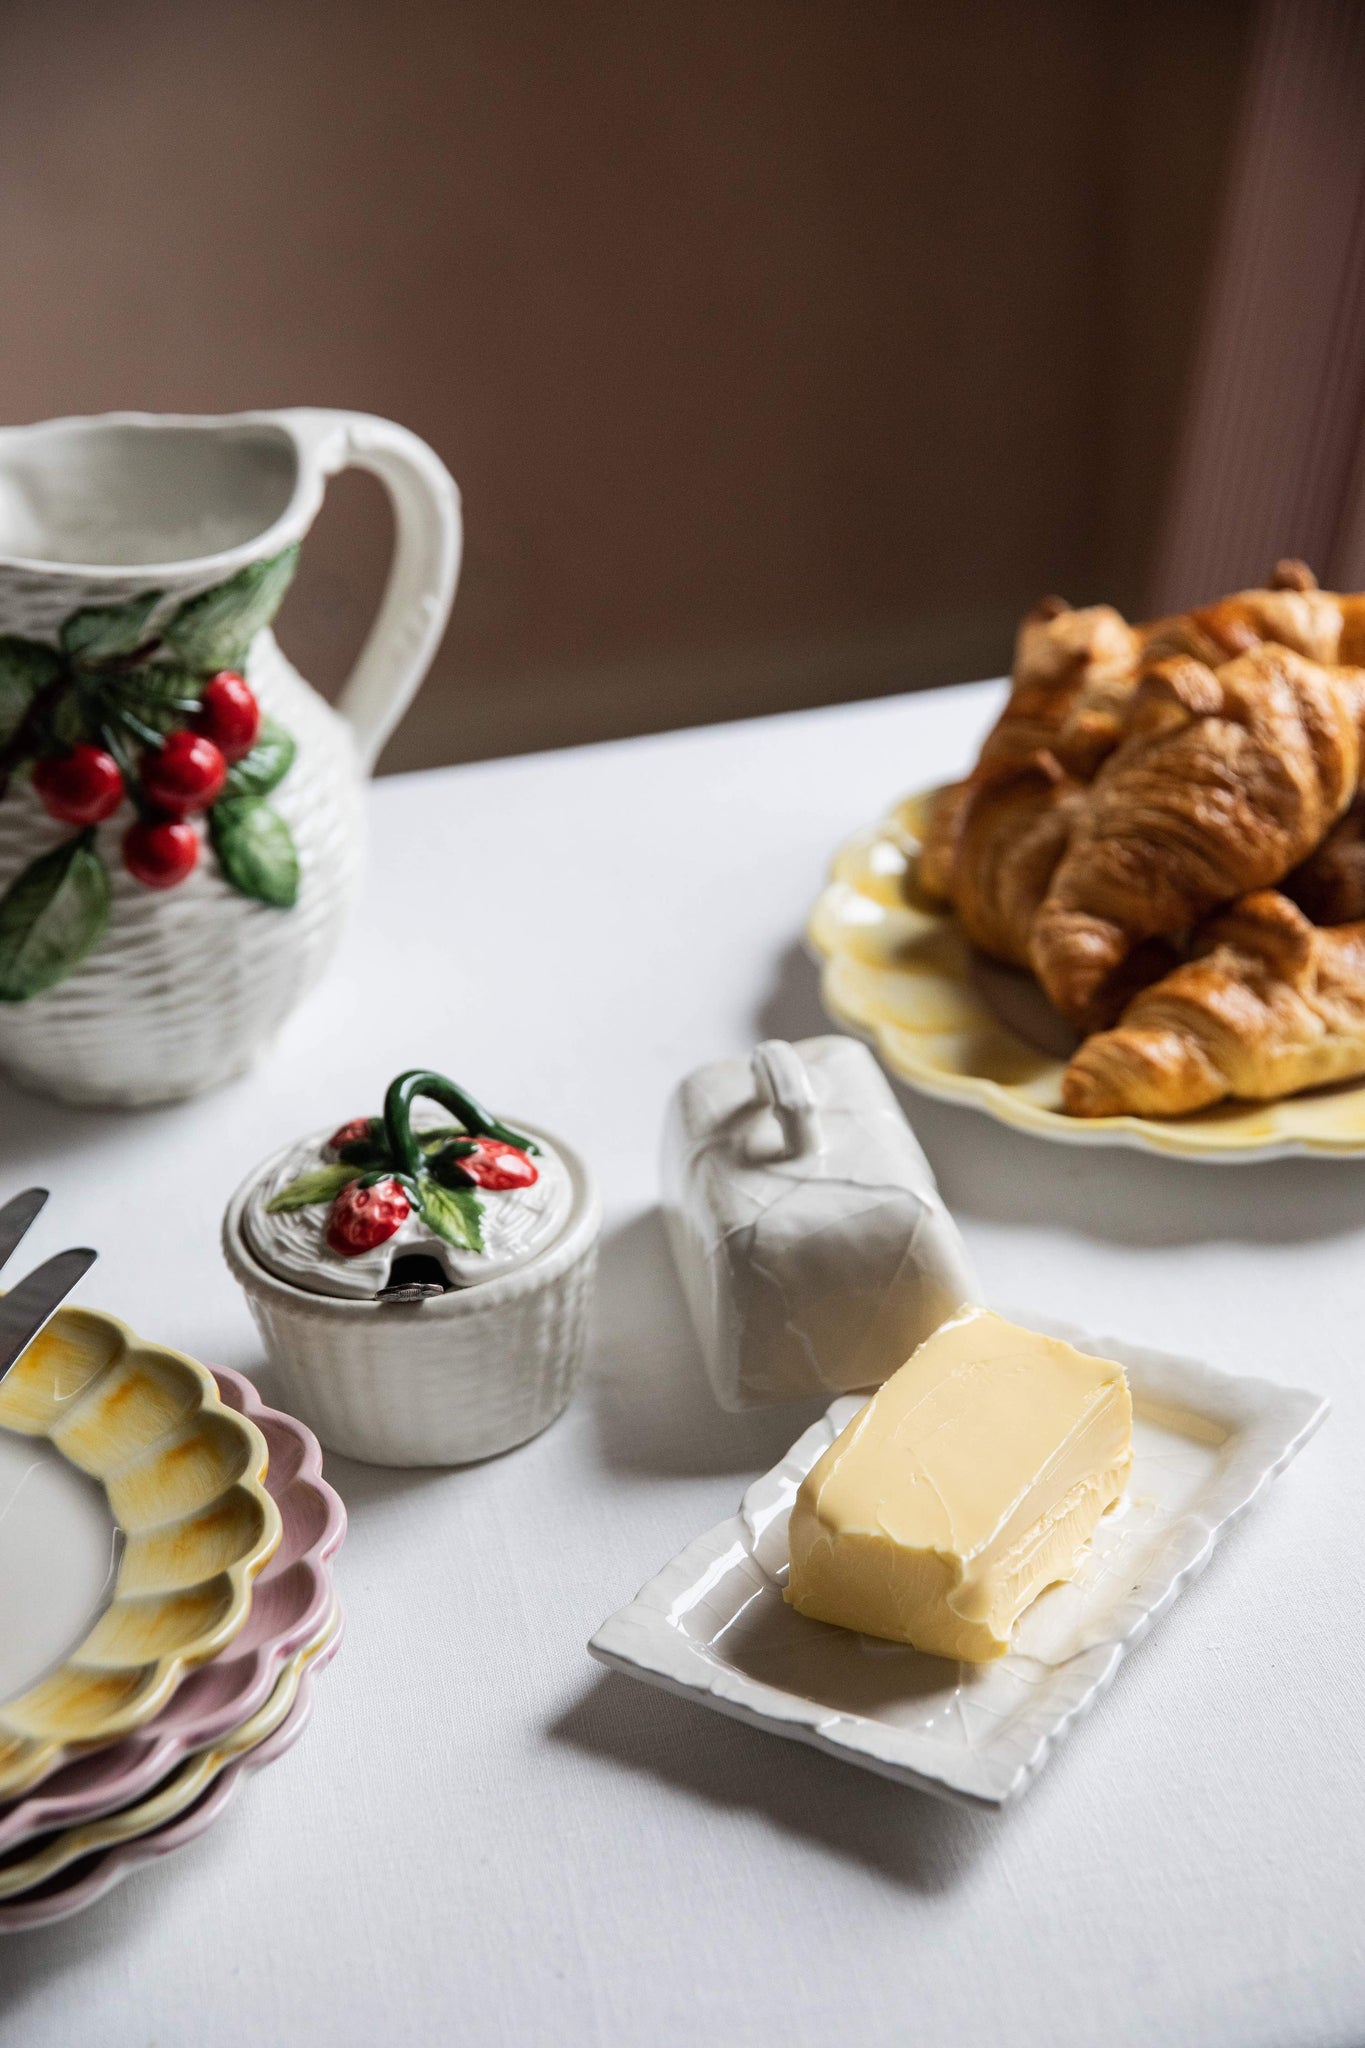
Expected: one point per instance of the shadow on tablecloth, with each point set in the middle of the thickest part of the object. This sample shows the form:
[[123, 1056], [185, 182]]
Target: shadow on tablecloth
[[37, 1132], [922, 1843], [648, 1390]]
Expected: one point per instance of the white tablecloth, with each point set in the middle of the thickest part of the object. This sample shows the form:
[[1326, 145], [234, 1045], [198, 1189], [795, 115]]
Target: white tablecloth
[[483, 1838]]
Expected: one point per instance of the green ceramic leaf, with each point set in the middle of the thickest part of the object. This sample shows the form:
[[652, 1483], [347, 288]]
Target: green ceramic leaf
[[255, 850], [26, 667], [323, 1184], [453, 1213], [103, 632], [50, 917], [269, 761], [66, 723], [215, 630], [160, 693]]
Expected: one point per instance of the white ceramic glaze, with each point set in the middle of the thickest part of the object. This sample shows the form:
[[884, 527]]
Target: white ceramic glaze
[[441, 1382], [58, 1558], [187, 986], [714, 1627], [292, 1243], [813, 1246]]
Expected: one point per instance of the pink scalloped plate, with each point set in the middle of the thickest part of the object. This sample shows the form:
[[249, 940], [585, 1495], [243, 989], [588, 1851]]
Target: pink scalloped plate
[[82, 1883], [291, 1599]]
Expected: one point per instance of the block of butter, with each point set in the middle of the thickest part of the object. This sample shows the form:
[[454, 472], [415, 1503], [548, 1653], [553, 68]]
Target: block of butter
[[972, 1480]]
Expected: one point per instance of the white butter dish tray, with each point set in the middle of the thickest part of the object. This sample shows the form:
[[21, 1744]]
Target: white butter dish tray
[[714, 1627]]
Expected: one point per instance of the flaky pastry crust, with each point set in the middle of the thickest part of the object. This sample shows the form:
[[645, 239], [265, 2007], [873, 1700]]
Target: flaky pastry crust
[[1270, 1004], [1222, 783]]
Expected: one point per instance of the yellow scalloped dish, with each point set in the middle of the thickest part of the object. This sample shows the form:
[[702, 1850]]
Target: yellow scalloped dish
[[184, 1477], [900, 972]]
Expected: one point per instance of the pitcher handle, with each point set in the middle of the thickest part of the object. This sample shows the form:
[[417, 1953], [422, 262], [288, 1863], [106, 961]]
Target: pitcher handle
[[426, 560]]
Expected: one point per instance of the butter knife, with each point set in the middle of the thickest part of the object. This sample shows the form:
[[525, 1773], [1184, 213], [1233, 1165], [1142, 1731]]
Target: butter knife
[[25, 1309], [16, 1216]]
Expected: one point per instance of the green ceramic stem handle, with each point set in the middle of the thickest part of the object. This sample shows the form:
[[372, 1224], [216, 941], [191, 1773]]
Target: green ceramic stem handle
[[403, 1092]]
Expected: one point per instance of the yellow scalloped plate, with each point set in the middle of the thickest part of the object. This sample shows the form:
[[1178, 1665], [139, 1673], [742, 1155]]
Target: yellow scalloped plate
[[898, 971], [184, 1479]]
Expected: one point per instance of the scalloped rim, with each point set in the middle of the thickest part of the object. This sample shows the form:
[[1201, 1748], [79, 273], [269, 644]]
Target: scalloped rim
[[1271, 1424], [1187, 1138], [93, 1879], [172, 1798], [144, 1758], [33, 1756]]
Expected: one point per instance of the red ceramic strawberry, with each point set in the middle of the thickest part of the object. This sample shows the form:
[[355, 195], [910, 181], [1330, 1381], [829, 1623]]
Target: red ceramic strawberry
[[229, 714], [185, 774], [81, 787], [353, 1133], [364, 1217], [492, 1164], [160, 852]]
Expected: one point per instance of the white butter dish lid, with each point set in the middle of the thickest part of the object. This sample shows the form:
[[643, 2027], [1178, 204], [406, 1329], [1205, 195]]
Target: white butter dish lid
[[812, 1243]]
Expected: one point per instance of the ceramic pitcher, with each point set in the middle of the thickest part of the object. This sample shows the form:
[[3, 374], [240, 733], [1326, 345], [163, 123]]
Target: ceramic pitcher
[[166, 896]]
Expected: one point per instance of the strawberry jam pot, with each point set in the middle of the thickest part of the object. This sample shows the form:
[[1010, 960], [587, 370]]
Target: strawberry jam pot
[[421, 1279]]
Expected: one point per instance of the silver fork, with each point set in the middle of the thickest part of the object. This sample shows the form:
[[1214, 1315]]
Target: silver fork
[[25, 1309]]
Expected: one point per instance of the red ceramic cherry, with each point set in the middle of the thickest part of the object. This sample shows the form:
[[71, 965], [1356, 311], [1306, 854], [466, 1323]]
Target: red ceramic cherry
[[494, 1165], [161, 852], [362, 1217], [83, 787], [350, 1134], [184, 774], [229, 714]]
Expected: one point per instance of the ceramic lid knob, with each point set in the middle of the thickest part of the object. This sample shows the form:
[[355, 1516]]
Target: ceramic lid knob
[[781, 1080]]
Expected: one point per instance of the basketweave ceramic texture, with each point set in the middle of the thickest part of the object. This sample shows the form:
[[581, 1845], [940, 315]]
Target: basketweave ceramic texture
[[185, 986], [439, 1382], [189, 985]]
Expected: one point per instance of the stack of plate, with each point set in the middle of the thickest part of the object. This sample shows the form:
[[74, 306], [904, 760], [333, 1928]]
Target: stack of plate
[[180, 1535]]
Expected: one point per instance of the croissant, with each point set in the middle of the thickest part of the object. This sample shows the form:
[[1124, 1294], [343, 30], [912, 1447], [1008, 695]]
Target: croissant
[[1058, 654], [1013, 828], [1271, 1005], [1222, 783], [1351, 647], [1074, 674], [938, 849], [1291, 611], [1095, 723], [1330, 885]]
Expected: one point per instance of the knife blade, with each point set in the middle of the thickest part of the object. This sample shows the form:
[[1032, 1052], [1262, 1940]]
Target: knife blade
[[16, 1216], [25, 1309]]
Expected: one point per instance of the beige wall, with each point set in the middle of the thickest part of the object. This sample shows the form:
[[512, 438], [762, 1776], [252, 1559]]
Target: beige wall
[[783, 349]]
